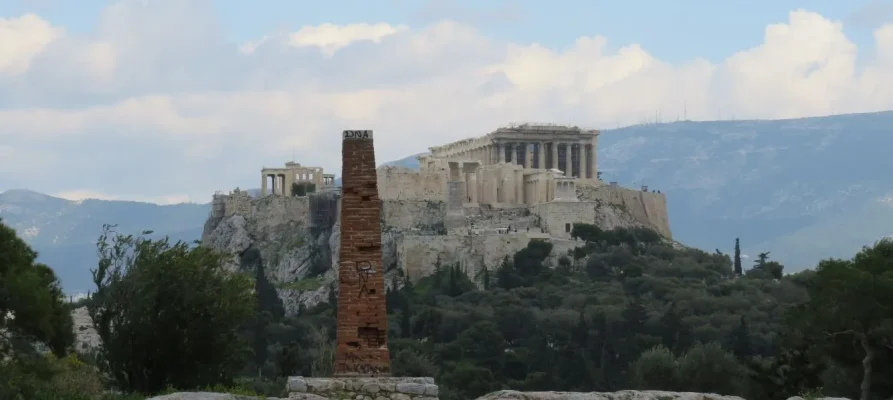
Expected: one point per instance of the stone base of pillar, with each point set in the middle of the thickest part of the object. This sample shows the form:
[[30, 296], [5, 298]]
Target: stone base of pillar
[[362, 387]]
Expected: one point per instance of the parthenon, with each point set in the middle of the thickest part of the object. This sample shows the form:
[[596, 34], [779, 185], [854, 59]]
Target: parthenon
[[516, 165], [569, 149]]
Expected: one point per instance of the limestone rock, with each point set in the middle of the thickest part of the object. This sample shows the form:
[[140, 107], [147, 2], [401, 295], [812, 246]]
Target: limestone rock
[[86, 337], [290, 236], [819, 398], [276, 233], [205, 396], [621, 395]]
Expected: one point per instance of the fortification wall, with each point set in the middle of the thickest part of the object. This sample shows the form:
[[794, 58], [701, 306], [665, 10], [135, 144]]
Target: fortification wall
[[413, 215], [647, 208], [558, 218], [398, 183], [607, 207]]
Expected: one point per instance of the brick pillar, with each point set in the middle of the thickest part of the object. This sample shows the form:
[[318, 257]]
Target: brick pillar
[[362, 347]]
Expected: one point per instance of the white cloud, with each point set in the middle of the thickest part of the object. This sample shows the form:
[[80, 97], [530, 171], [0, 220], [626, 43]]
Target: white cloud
[[21, 39], [331, 38], [137, 108]]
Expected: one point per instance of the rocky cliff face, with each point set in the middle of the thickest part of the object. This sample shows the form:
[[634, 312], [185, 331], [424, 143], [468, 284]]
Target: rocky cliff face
[[293, 241]]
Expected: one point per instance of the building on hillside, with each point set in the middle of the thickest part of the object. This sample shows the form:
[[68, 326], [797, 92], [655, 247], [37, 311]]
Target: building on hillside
[[279, 181], [522, 164]]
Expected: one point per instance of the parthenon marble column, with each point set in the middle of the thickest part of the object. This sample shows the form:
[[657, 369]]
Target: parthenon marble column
[[511, 148], [568, 166], [528, 147], [554, 164], [584, 162], [541, 154], [471, 187]]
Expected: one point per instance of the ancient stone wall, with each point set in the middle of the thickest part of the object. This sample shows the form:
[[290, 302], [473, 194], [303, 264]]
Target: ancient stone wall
[[413, 216], [227, 205], [362, 335], [558, 218], [301, 388], [647, 208], [398, 183], [608, 207]]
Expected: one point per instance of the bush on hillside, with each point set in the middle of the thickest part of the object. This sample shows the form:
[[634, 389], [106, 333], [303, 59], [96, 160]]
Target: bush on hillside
[[168, 314]]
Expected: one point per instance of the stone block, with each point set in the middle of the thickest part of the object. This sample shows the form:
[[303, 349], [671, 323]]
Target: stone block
[[411, 388], [296, 384], [363, 388]]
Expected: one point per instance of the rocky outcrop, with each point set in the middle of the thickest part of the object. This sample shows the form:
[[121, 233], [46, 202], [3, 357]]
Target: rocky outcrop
[[633, 207], [294, 242], [621, 395], [290, 240], [374, 391], [86, 337], [206, 396]]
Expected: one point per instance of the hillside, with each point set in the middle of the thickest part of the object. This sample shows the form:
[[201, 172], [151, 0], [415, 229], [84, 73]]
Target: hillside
[[63, 232], [792, 187]]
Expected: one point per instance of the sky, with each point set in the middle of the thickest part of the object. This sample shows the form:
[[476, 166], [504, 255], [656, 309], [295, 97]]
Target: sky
[[168, 101]]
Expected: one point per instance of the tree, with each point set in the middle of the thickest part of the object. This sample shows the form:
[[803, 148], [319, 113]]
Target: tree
[[739, 340], [32, 306], [708, 368], [33, 314], [167, 314], [851, 304], [761, 260], [738, 257], [655, 369]]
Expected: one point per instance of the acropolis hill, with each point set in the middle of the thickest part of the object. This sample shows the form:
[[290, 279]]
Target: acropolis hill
[[471, 202]]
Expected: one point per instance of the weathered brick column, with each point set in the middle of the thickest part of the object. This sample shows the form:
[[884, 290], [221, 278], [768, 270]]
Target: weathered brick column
[[362, 348]]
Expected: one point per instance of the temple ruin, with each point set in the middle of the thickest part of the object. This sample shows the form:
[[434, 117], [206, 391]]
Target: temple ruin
[[568, 149], [519, 165], [278, 181]]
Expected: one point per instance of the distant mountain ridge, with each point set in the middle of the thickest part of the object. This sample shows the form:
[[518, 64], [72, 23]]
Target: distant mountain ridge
[[803, 189], [64, 232]]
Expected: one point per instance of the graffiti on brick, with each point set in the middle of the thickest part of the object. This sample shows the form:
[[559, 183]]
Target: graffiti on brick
[[359, 275], [363, 270]]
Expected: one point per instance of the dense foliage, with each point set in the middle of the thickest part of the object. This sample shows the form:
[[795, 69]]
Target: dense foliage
[[624, 310], [33, 317], [168, 315]]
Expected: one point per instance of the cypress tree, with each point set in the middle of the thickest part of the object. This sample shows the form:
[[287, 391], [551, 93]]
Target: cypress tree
[[737, 257]]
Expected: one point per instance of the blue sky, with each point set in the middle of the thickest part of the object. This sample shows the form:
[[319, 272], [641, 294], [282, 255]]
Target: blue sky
[[672, 30], [98, 90]]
